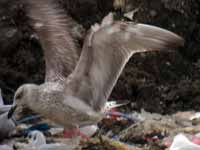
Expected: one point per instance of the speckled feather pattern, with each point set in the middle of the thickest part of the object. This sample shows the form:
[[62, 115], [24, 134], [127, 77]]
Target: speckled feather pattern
[[53, 28]]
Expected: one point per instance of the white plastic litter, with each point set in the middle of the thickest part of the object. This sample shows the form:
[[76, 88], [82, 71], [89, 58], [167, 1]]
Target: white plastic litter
[[37, 141], [181, 142], [196, 116], [89, 130], [3, 108], [113, 104], [131, 14]]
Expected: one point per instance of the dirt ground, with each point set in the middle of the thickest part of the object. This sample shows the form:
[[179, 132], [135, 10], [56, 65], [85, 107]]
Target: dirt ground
[[158, 82]]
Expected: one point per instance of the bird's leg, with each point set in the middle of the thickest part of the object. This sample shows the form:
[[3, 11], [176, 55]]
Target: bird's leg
[[75, 132], [72, 136], [69, 133]]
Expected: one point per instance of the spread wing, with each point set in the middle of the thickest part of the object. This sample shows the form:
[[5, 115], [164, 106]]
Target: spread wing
[[106, 50], [52, 27]]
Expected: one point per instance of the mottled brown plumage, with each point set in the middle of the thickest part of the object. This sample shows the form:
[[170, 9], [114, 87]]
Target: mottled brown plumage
[[53, 27], [78, 99]]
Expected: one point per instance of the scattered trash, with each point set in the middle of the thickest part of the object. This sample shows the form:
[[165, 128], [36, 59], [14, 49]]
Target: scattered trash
[[196, 140], [106, 143], [131, 14], [3, 108], [40, 127], [196, 116], [37, 141], [181, 142], [134, 131], [56, 131], [37, 138], [135, 117], [89, 130], [113, 104]]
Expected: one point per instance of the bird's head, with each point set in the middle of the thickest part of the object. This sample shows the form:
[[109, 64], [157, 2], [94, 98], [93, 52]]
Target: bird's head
[[25, 95]]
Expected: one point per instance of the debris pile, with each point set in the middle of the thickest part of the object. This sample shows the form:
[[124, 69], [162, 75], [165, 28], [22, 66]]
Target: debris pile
[[117, 131]]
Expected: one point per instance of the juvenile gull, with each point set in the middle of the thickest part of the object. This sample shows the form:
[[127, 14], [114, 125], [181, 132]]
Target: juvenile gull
[[77, 99], [54, 30]]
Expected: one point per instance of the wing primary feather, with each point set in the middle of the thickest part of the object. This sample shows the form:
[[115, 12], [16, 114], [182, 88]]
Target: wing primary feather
[[52, 26]]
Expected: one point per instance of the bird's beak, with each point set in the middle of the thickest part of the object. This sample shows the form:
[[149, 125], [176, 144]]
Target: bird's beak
[[11, 111]]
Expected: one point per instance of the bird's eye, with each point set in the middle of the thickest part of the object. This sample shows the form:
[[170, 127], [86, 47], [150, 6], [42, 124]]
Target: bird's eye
[[34, 138], [19, 95]]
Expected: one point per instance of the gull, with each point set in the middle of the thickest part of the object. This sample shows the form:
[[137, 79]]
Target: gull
[[76, 88]]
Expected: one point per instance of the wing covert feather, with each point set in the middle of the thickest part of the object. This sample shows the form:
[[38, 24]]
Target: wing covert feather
[[107, 49]]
